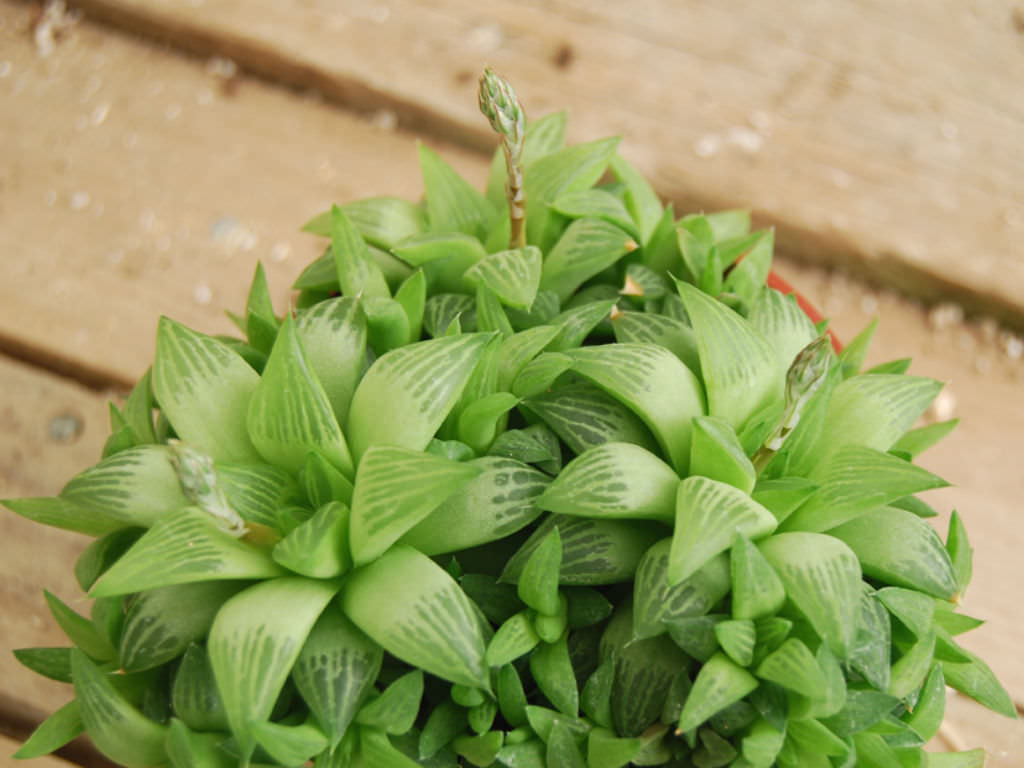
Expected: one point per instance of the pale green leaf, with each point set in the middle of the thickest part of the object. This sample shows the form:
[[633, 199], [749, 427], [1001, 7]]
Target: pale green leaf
[[747, 277], [444, 257], [654, 384], [665, 331], [180, 549], [453, 205], [82, 632], [194, 694], [719, 683], [62, 513], [426, 620], [716, 453], [54, 732], [254, 642], [318, 548], [290, 744], [484, 419], [290, 413], [382, 221], [793, 667], [514, 276], [358, 273], [917, 441], [823, 580], [640, 198], [576, 322], [588, 247], [597, 204], [756, 588], [406, 394], [333, 337], [552, 670], [537, 584], [780, 320], [514, 638], [101, 554], [736, 638], [442, 310], [656, 603], [395, 489], [709, 514], [204, 389], [255, 491], [395, 710]]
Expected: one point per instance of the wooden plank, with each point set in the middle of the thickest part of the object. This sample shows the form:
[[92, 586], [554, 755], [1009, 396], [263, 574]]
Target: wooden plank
[[132, 185], [8, 746], [191, 170], [875, 135]]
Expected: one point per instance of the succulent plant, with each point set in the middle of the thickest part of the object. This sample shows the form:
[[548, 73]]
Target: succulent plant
[[542, 477]]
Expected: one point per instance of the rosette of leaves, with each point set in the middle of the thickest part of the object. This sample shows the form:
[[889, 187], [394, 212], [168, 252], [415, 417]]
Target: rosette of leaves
[[537, 477]]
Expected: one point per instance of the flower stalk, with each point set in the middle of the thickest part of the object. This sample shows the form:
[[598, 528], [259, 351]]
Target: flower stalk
[[500, 105]]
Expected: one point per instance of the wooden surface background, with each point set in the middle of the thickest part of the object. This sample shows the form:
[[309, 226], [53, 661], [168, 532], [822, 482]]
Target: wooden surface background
[[137, 179]]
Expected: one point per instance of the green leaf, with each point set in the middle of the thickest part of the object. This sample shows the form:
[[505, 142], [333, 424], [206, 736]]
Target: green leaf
[[445, 721], [60, 728], [490, 314], [161, 623], [427, 622], [640, 198], [484, 418], [756, 589], [255, 491], [387, 324], [553, 673], [871, 647], [318, 548], [975, 678], [444, 257], [407, 393], [290, 744], [254, 642], [654, 384], [138, 486], [333, 336], [914, 609], [499, 501], [377, 751], [927, 715], [101, 554], [822, 578], [739, 366], [290, 413], [855, 480], [577, 322], [851, 358], [62, 513], [138, 409], [863, 709], [793, 667], [606, 750], [974, 758], [594, 551], [204, 389], [551, 626], [54, 663], [618, 480], [597, 204], [181, 549], [961, 554], [443, 310], [780, 320], [453, 205], [657, 604], [747, 277], [716, 453], [736, 637], [584, 417], [395, 710], [708, 516], [668, 332], [194, 694], [588, 247], [395, 489], [762, 744], [566, 170], [514, 275], [873, 410], [545, 307], [323, 483], [335, 670], [537, 584], [719, 683], [382, 221], [480, 750], [82, 632], [117, 729], [910, 670], [517, 350], [540, 374], [511, 697], [899, 548], [514, 638], [358, 273], [917, 441]]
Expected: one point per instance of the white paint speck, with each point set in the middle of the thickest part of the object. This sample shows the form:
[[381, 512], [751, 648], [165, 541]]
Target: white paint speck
[[98, 208], [840, 178], [707, 145], [1013, 346], [163, 243], [943, 407], [982, 364], [949, 131], [204, 97], [486, 38], [384, 119], [99, 113], [946, 315], [79, 201], [116, 256], [131, 140], [748, 140], [5, 68], [51, 197], [202, 294], [172, 111], [375, 12], [761, 122], [81, 122], [869, 304], [147, 220], [221, 67], [281, 251]]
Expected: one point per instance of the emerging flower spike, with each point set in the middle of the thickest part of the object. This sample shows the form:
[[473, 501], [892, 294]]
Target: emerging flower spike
[[199, 482], [499, 104]]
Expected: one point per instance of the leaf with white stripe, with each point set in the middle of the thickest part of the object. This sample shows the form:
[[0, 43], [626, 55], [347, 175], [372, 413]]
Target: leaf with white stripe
[[665, 331], [204, 389], [255, 640], [577, 322], [588, 247], [255, 491], [333, 336], [822, 578], [519, 349], [180, 549], [597, 204], [740, 368], [584, 417], [382, 221], [654, 384], [513, 275], [780, 320], [358, 273], [640, 198], [618, 480], [709, 514], [335, 671], [426, 621], [318, 548], [453, 205], [137, 485], [290, 413], [395, 489], [407, 393]]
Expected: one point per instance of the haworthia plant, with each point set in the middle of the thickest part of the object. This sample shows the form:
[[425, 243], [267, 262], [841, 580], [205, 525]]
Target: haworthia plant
[[542, 477]]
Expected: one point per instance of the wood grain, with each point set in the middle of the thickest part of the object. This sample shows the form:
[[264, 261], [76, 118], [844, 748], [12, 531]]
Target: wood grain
[[8, 746], [188, 186], [879, 136]]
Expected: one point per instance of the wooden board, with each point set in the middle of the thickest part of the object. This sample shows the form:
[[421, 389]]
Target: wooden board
[[80, 289], [8, 746], [879, 136]]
